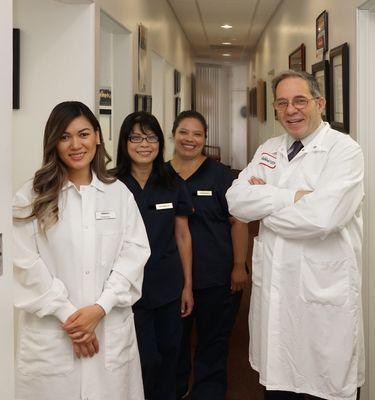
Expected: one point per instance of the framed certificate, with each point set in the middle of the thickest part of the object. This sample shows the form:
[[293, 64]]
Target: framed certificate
[[297, 58], [321, 72], [339, 87]]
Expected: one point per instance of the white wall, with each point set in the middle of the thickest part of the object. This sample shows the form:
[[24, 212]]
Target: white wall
[[293, 24], [165, 36], [157, 87], [6, 298], [57, 64]]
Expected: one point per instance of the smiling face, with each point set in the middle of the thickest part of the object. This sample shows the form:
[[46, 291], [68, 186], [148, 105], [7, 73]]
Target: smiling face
[[189, 138], [303, 122], [76, 147], [142, 153]]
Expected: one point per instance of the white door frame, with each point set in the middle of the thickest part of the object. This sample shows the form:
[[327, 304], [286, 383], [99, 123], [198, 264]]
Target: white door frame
[[6, 298], [366, 123]]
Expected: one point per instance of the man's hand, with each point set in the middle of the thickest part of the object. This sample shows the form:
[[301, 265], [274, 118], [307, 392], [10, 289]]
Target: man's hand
[[300, 194], [256, 181], [87, 350], [187, 302], [239, 278], [80, 325]]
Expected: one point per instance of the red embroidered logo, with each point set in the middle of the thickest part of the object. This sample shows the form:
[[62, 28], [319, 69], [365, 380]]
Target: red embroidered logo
[[268, 160]]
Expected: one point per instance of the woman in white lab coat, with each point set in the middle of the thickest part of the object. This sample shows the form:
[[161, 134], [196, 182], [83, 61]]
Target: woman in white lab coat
[[80, 249]]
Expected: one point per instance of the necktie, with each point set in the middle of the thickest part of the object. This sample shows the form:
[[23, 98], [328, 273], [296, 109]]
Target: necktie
[[294, 149]]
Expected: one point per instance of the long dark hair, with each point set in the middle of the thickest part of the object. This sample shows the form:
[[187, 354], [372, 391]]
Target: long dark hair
[[51, 177], [147, 122]]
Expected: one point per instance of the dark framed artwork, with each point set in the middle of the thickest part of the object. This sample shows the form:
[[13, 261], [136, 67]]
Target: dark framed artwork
[[297, 58], [105, 100], [339, 87], [253, 102], [16, 69], [321, 72], [261, 101], [321, 32], [193, 92], [138, 102], [147, 104], [177, 106], [177, 81]]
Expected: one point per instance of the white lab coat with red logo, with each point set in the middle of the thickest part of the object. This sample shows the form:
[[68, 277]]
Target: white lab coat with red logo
[[95, 253], [305, 317]]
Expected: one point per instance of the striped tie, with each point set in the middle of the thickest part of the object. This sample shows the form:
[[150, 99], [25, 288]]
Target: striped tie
[[294, 149]]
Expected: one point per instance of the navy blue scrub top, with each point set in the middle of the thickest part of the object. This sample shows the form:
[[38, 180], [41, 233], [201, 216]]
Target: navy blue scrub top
[[209, 225], [163, 275]]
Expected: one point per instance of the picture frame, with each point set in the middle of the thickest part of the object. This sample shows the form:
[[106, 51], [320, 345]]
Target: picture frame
[[339, 87], [261, 101], [193, 92], [321, 32], [105, 100], [177, 106], [253, 101], [297, 58], [16, 68], [177, 81], [138, 102], [320, 71], [147, 104]]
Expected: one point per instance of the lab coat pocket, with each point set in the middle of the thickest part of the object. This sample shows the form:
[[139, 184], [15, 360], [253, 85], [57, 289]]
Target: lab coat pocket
[[324, 282], [45, 354], [257, 262], [120, 346]]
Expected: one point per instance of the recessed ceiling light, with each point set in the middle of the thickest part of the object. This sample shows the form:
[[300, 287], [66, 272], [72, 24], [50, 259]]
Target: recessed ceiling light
[[226, 43], [226, 55], [226, 26]]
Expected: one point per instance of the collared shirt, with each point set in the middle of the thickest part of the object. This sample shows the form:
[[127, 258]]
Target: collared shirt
[[305, 141], [209, 225], [159, 206]]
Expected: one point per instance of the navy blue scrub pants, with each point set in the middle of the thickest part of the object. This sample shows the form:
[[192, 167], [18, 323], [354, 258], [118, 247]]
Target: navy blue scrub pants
[[214, 313], [159, 334]]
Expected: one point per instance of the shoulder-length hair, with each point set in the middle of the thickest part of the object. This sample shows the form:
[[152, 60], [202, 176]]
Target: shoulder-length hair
[[51, 177], [147, 122]]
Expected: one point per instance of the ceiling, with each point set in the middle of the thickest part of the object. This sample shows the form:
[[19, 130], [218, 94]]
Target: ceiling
[[201, 21]]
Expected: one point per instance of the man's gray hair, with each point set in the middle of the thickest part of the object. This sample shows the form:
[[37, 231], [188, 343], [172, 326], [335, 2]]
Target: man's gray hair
[[310, 79]]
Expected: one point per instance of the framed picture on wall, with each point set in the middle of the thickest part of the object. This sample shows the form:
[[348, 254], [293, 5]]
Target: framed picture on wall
[[261, 101], [177, 106], [253, 102], [321, 32], [193, 92], [16, 69], [138, 102], [321, 72], [147, 104], [142, 58], [177, 81], [297, 58], [339, 87]]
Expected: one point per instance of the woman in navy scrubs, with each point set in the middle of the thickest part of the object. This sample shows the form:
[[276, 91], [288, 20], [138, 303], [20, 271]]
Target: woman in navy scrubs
[[165, 205], [219, 253]]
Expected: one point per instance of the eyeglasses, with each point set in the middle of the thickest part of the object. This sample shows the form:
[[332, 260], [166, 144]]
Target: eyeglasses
[[140, 139], [297, 102]]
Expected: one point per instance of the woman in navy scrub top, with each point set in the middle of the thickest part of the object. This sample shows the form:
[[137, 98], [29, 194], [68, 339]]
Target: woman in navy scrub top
[[165, 205], [219, 254]]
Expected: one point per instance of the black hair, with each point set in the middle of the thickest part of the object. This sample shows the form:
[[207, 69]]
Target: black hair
[[190, 114], [147, 122]]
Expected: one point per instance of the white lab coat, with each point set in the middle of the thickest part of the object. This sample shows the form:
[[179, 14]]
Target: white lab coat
[[87, 257], [305, 315]]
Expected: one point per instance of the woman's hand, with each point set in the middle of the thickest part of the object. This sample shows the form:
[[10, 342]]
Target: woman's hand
[[81, 324], [239, 278], [87, 350], [187, 302]]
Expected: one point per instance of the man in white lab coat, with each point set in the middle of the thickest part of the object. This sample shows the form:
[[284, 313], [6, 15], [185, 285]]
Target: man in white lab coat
[[306, 188]]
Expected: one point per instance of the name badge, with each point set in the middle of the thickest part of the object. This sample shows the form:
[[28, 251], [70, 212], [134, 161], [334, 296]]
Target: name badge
[[268, 160], [204, 192], [163, 206], [105, 215]]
